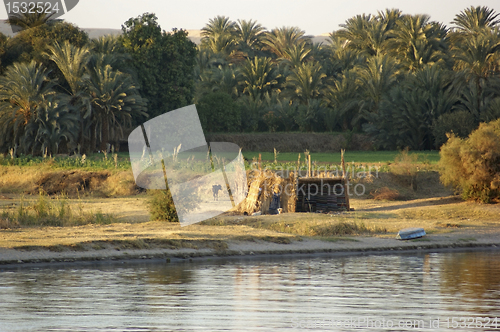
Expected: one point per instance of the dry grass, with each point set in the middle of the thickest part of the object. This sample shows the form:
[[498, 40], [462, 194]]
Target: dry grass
[[136, 236], [373, 218], [427, 181], [269, 182], [15, 179], [29, 180], [430, 207]]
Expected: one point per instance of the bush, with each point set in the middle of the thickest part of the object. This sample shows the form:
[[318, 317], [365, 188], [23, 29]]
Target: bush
[[472, 165], [161, 206], [461, 123], [405, 168]]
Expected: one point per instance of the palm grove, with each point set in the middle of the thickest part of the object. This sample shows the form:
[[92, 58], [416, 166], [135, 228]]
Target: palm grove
[[404, 80]]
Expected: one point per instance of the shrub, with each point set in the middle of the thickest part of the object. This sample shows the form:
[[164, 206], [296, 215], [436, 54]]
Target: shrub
[[405, 168], [472, 165], [161, 206], [461, 123]]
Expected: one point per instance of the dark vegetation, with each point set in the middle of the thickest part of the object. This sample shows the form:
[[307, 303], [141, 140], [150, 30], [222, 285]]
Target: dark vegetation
[[61, 92], [403, 80]]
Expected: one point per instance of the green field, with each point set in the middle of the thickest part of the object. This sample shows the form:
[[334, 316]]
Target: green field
[[97, 161], [431, 157]]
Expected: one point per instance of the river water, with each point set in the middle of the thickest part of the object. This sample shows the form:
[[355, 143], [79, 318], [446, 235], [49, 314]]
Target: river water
[[434, 291]]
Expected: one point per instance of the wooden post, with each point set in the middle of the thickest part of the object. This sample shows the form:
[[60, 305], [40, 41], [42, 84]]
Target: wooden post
[[298, 164], [309, 166], [260, 161], [346, 180]]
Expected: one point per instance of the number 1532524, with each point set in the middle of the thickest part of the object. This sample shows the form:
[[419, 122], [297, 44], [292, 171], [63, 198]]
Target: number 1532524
[[29, 7]]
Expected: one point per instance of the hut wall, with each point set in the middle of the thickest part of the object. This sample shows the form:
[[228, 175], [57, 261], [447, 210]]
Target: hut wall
[[321, 195]]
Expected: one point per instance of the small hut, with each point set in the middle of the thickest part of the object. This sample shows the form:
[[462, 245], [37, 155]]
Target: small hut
[[318, 192], [321, 195]]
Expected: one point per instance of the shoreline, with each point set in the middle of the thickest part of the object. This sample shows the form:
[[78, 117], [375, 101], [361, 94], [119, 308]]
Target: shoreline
[[488, 240]]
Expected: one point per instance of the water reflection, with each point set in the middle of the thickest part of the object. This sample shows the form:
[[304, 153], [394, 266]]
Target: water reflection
[[473, 279], [271, 294]]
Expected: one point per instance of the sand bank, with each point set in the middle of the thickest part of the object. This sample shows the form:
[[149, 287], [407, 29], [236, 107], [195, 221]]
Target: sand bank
[[457, 240]]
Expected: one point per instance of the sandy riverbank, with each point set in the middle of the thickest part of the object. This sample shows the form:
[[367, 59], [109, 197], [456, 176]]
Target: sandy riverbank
[[487, 238]]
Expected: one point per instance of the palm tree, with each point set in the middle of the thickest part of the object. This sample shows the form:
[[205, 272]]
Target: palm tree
[[415, 41], [296, 55], [219, 35], [280, 40], [376, 78], [223, 78], [24, 89], [217, 26], [206, 60], [341, 58], [72, 61], [390, 17], [283, 108], [20, 21], [478, 54], [343, 99], [112, 47], [407, 113], [249, 36], [53, 124], [114, 99], [259, 77], [306, 82], [221, 44], [478, 57], [252, 111], [310, 115], [227, 79], [365, 34], [474, 19]]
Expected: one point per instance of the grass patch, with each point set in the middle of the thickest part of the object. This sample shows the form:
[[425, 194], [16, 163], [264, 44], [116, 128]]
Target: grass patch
[[45, 211], [347, 228], [431, 157], [92, 162], [314, 225]]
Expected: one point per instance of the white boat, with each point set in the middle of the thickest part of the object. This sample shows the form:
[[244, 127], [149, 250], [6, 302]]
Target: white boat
[[410, 233]]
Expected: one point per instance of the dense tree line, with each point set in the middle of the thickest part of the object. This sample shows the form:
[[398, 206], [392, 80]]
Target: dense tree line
[[403, 79], [61, 91]]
